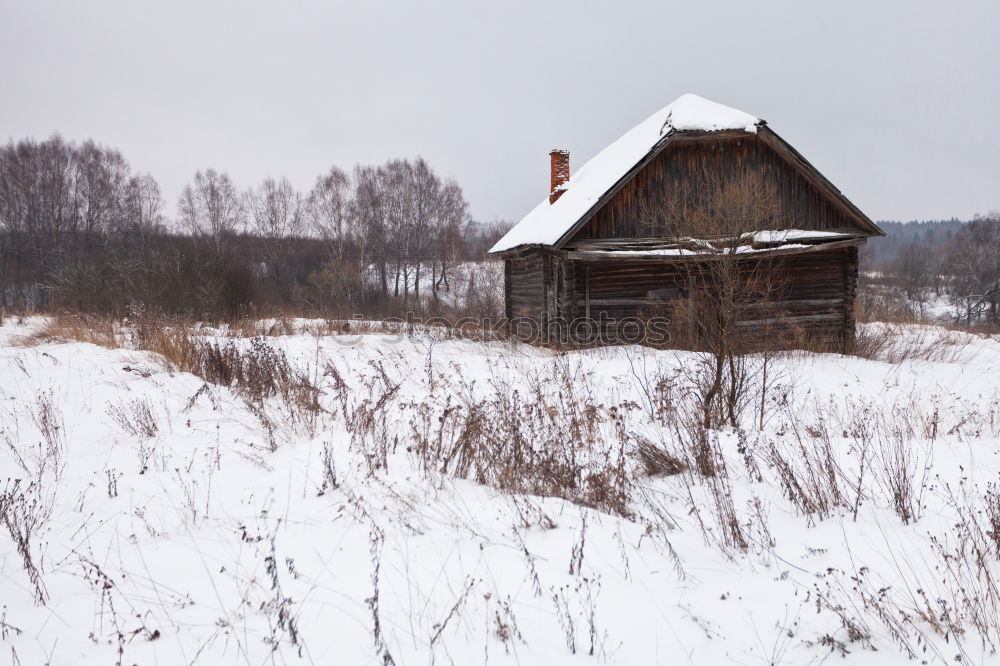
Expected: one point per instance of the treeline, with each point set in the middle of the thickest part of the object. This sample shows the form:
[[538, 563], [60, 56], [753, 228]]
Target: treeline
[[79, 230], [947, 268], [882, 251]]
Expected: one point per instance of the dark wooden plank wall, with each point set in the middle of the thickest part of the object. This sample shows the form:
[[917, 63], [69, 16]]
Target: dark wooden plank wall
[[528, 294], [814, 305], [851, 279], [693, 163]]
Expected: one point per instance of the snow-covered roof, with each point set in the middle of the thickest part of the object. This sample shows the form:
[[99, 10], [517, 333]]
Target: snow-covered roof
[[547, 223]]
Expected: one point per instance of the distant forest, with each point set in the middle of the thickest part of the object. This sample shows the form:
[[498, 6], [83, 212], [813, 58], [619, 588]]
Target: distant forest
[[80, 231], [929, 233], [946, 268]]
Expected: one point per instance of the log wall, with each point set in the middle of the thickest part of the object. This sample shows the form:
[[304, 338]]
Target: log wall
[[528, 295], [689, 166]]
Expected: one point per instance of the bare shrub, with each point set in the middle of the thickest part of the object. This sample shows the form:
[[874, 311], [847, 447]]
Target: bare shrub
[[135, 417], [992, 501], [113, 610], [280, 605], [694, 443], [730, 304], [834, 596], [330, 481], [954, 595], [962, 595], [376, 539], [557, 442], [872, 342], [52, 451], [26, 505], [656, 460], [901, 473], [22, 512], [535, 447], [706, 483], [728, 521], [505, 625], [7, 629], [809, 471], [369, 420], [879, 302], [256, 372], [454, 611]]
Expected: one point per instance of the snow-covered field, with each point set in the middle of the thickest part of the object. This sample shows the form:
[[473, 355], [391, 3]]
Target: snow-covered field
[[391, 515]]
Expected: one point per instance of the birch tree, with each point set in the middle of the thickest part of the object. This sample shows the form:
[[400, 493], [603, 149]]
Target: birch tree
[[276, 216], [212, 209]]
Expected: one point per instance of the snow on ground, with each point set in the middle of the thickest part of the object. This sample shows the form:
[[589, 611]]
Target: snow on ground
[[174, 521]]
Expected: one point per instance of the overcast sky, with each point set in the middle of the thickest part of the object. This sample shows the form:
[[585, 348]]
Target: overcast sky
[[897, 103]]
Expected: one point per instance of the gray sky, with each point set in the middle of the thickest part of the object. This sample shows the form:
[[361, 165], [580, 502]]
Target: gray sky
[[896, 102]]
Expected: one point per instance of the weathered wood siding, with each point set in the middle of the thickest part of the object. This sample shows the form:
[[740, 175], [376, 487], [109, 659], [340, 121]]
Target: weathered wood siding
[[687, 165], [812, 303], [529, 296]]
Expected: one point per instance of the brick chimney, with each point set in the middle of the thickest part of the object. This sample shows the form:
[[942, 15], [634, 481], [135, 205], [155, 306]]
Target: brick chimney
[[559, 173]]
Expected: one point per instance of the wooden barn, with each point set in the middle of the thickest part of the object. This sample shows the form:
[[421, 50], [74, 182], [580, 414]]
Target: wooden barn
[[698, 193]]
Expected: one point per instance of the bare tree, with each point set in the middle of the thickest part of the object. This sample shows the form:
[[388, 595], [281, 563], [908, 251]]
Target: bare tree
[[212, 209], [451, 224], [916, 269], [411, 221], [275, 209], [479, 237], [370, 211], [61, 205], [327, 211], [276, 216], [100, 180], [715, 220], [27, 181], [144, 206], [79, 230], [421, 219], [975, 264], [398, 195]]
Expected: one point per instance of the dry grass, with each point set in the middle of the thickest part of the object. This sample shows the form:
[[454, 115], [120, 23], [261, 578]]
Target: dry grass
[[894, 344], [256, 372], [93, 329], [548, 442], [556, 443]]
